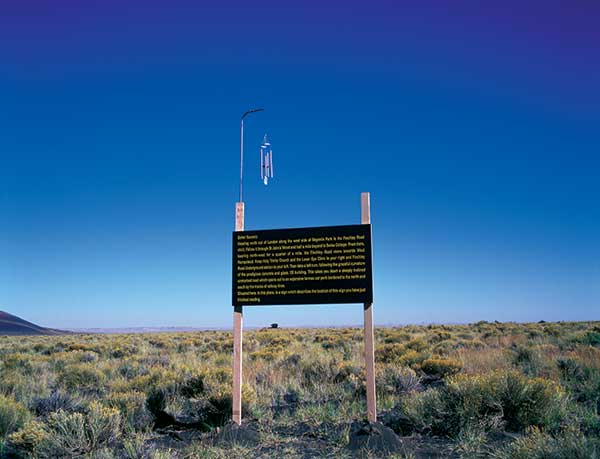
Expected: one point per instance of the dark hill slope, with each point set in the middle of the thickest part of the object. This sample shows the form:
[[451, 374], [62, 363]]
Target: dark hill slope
[[13, 325]]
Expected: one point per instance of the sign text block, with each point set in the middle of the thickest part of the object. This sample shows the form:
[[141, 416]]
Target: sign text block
[[328, 264]]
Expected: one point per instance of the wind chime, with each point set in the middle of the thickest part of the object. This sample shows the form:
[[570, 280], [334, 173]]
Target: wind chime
[[266, 161]]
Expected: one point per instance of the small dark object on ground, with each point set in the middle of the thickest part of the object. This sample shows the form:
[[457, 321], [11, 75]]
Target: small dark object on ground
[[373, 437], [244, 435], [274, 325], [432, 381], [398, 421]]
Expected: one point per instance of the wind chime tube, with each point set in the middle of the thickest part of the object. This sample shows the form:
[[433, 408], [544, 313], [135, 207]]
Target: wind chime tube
[[261, 164], [266, 161]]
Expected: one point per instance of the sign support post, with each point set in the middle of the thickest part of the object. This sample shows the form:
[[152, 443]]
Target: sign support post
[[237, 336], [365, 214], [330, 264]]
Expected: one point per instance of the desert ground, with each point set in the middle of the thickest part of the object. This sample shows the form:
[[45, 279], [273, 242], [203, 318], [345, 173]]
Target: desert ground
[[498, 390]]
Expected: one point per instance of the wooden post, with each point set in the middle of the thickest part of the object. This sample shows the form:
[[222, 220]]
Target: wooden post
[[237, 336], [365, 217]]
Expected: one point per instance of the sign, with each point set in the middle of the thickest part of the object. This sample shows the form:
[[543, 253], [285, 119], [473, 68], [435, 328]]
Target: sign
[[328, 264]]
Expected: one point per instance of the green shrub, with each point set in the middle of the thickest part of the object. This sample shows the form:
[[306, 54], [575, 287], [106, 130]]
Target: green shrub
[[441, 368], [194, 387], [82, 377], [72, 435], [528, 402], [295, 372], [410, 354], [346, 371], [507, 398], [18, 361], [423, 412], [439, 336], [396, 381], [57, 400], [538, 445], [583, 381], [27, 440], [527, 359], [592, 337], [270, 353], [132, 406], [389, 353], [218, 410], [413, 358], [134, 446], [395, 336], [316, 370], [13, 416], [156, 400]]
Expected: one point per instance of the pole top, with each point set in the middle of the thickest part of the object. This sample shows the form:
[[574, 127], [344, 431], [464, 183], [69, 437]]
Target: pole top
[[365, 208], [252, 110]]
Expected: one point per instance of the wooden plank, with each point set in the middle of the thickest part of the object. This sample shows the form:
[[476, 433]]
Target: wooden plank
[[239, 216], [365, 217], [365, 208], [237, 364], [370, 363], [237, 336]]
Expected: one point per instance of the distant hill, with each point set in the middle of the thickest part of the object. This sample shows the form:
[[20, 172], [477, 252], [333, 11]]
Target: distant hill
[[13, 325]]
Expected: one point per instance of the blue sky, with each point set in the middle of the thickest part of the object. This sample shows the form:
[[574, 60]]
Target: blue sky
[[474, 128]]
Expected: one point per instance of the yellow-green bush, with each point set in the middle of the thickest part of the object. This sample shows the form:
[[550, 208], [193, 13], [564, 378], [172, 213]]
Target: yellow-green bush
[[503, 399], [270, 353], [412, 358], [132, 407], [537, 444], [27, 440], [13, 416], [306, 368], [441, 367], [389, 353], [83, 376], [71, 435]]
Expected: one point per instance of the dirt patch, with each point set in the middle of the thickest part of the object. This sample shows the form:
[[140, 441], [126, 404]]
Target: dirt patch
[[373, 437], [233, 434]]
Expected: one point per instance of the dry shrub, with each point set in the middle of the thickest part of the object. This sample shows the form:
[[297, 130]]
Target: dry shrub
[[57, 400], [397, 381], [480, 361]]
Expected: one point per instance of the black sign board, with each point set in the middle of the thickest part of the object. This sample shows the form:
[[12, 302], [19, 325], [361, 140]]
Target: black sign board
[[328, 264]]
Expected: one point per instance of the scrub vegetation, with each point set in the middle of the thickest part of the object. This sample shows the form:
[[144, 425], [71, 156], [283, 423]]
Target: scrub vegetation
[[498, 390]]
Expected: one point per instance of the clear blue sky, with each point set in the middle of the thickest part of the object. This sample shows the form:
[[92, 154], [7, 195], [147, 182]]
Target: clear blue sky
[[474, 127]]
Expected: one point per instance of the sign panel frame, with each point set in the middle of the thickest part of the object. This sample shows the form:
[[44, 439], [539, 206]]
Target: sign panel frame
[[312, 247]]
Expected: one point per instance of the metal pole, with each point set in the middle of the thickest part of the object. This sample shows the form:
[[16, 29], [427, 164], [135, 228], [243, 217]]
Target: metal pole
[[244, 115], [238, 312]]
